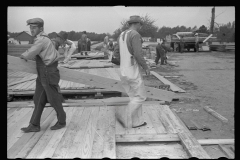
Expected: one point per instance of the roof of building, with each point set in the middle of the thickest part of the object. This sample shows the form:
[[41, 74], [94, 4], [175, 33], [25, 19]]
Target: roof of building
[[25, 32]]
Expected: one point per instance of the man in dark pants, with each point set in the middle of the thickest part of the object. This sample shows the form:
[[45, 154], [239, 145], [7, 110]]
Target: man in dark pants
[[181, 45], [84, 43], [47, 88], [196, 42], [160, 51]]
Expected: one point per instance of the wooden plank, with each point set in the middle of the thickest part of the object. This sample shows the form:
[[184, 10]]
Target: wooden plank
[[63, 85], [188, 141], [109, 146], [84, 149], [226, 151], [43, 141], [35, 138], [16, 117], [215, 114], [25, 137], [10, 111], [173, 87], [170, 137], [216, 141], [100, 136], [89, 79], [58, 134], [232, 148], [158, 126], [149, 128], [113, 73], [30, 77], [164, 119], [28, 85], [78, 124]]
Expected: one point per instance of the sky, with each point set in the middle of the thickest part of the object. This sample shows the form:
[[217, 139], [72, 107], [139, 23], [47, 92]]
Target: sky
[[108, 19]]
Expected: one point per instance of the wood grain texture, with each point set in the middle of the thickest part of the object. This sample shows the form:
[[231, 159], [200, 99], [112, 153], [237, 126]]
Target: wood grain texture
[[89, 79]]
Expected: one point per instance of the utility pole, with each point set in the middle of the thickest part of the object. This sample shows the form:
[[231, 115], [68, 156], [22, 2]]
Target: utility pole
[[212, 20]]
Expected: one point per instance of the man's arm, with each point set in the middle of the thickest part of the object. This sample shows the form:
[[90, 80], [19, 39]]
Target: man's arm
[[31, 53], [137, 51]]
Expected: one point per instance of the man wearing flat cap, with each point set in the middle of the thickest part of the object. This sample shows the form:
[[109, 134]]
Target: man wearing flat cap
[[47, 89], [68, 45], [130, 47], [84, 43]]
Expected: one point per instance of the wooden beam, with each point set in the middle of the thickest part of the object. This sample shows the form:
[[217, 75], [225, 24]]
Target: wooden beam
[[78, 103], [226, 151], [190, 144], [207, 38], [215, 141], [16, 63], [24, 80], [215, 114], [147, 138], [173, 87]]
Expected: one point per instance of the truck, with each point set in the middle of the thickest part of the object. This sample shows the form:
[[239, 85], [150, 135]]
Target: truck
[[188, 39]]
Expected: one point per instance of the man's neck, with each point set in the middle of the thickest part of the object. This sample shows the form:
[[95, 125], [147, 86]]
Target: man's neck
[[133, 28]]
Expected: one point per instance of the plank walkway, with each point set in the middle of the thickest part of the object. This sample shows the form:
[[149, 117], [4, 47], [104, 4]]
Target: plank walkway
[[93, 132]]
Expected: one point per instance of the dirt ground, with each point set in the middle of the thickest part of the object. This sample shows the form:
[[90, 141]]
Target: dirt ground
[[208, 79]]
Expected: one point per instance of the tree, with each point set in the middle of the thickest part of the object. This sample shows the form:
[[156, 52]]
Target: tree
[[202, 29], [148, 28]]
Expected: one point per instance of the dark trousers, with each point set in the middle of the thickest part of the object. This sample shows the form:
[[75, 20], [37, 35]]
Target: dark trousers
[[84, 48], [160, 55], [181, 48], [47, 90], [79, 48], [197, 46]]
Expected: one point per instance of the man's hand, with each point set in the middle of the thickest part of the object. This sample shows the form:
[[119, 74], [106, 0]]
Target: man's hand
[[147, 72], [66, 60], [22, 57]]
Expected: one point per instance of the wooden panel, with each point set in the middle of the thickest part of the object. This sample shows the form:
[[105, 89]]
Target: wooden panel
[[58, 134], [84, 149], [34, 139], [148, 138], [66, 144], [173, 87], [226, 151], [188, 141], [215, 141], [25, 137], [89, 79]]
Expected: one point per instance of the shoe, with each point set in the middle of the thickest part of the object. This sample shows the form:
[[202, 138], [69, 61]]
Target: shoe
[[144, 124], [31, 128], [58, 126]]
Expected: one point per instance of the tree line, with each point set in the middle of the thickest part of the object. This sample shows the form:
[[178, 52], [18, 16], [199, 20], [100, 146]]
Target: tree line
[[224, 32], [72, 35]]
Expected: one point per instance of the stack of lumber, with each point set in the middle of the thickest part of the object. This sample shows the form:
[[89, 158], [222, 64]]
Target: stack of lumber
[[217, 47], [87, 64], [230, 47], [91, 54]]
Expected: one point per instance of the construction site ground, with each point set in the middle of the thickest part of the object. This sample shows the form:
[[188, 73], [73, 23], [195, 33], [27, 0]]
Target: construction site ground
[[208, 79]]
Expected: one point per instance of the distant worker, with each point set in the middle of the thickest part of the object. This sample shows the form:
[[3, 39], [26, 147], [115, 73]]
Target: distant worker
[[105, 42], [88, 44], [161, 50], [131, 59], [196, 42], [68, 45], [84, 43], [79, 45], [47, 89], [110, 46], [181, 44]]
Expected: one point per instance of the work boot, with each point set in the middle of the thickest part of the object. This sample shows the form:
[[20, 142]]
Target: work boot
[[58, 126], [31, 128]]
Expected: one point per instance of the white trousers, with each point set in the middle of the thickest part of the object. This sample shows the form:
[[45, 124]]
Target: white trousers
[[131, 115]]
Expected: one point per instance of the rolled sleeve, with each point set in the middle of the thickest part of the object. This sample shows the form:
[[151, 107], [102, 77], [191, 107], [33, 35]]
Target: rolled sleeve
[[34, 50], [137, 51]]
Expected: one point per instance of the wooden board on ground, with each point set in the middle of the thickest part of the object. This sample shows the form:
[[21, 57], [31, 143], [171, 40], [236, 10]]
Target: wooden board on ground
[[90, 133], [89, 79], [173, 87]]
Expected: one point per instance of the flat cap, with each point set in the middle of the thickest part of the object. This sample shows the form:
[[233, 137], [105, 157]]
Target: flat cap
[[63, 35], [35, 21]]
